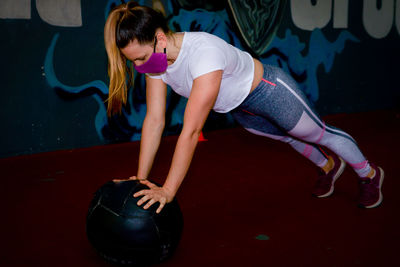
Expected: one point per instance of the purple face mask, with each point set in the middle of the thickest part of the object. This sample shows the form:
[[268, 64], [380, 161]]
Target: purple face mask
[[156, 63]]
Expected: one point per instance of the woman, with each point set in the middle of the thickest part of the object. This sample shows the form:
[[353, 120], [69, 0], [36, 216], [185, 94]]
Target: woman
[[212, 74]]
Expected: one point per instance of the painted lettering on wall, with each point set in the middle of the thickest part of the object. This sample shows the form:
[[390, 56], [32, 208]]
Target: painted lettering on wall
[[378, 16], [65, 13]]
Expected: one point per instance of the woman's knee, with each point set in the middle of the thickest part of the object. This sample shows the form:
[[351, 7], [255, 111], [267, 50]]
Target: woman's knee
[[308, 129]]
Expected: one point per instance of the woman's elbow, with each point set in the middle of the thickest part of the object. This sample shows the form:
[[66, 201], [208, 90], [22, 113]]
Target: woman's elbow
[[193, 134]]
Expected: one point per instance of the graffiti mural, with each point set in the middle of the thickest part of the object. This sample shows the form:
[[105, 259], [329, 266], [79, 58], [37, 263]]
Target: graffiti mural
[[285, 52], [305, 38], [257, 22]]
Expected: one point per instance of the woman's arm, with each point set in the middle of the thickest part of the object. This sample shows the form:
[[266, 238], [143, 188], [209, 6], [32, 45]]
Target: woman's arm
[[153, 125], [202, 98]]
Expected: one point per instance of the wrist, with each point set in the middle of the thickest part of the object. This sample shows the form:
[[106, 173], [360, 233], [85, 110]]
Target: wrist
[[170, 191], [141, 176]]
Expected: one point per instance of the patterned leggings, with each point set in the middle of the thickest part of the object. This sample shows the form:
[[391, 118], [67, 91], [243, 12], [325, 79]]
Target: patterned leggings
[[278, 109]]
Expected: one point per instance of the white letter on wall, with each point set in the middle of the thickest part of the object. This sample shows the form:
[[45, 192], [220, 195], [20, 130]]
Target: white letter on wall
[[340, 13], [378, 22], [15, 9], [307, 16], [66, 13]]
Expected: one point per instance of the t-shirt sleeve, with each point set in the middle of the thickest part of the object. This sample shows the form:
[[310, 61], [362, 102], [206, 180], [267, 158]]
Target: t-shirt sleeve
[[206, 60]]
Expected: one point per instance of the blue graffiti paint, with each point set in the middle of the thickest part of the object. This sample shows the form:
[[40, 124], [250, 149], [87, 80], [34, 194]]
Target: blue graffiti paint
[[285, 52], [101, 116], [320, 51], [217, 23], [132, 120], [136, 116], [130, 125]]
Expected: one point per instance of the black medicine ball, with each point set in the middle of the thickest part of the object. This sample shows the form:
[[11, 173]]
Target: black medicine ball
[[125, 233]]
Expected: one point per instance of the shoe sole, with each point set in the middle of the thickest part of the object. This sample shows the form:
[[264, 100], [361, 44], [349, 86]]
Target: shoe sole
[[380, 192], [337, 175]]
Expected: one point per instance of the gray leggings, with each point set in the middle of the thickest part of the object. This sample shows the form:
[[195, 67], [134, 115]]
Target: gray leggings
[[278, 109]]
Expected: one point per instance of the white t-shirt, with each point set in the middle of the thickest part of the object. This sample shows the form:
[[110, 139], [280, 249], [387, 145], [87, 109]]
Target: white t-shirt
[[202, 53]]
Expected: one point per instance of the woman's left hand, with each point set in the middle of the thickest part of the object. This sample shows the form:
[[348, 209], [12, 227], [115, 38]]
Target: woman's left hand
[[153, 195]]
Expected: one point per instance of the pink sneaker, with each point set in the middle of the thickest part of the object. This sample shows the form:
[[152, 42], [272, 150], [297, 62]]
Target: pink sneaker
[[371, 189], [325, 184]]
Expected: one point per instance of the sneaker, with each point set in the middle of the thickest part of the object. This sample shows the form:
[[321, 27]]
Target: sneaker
[[325, 184], [370, 189]]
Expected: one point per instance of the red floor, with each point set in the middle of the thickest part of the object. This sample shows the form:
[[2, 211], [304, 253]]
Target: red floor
[[240, 188]]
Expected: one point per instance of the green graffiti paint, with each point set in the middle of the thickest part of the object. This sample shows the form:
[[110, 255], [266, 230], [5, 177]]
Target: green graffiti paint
[[262, 237]]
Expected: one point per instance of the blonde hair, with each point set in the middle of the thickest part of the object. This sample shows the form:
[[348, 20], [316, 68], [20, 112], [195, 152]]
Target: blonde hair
[[117, 69], [125, 23]]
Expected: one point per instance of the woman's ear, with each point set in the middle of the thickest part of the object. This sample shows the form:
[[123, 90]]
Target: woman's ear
[[161, 41]]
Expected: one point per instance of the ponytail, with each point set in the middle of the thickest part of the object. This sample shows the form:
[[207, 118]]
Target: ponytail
[[116, 65]]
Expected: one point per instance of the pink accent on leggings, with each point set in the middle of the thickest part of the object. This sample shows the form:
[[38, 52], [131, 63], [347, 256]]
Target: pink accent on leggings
[[271, 83], [248, 112], [322, 134], [307, 151], [360, 165]]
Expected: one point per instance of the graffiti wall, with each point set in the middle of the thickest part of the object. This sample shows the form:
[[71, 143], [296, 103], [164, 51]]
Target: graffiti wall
[[343, 54]]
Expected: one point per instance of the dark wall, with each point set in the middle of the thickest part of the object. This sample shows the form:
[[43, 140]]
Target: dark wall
[[344, 55]]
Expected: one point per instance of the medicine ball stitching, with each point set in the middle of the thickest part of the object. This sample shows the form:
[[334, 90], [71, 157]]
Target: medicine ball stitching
[[129, 195], [110, 210], [97, 196], [164, 247]]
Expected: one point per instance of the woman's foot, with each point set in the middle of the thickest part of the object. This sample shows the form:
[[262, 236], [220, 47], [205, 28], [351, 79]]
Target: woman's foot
[[325, 184], [371, 189]]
